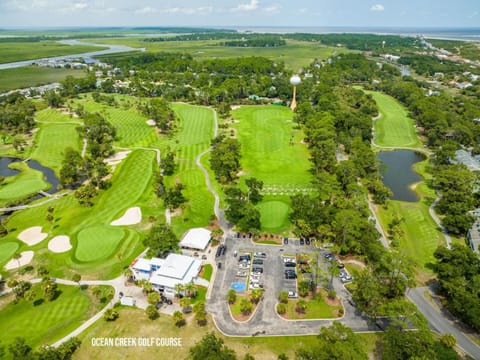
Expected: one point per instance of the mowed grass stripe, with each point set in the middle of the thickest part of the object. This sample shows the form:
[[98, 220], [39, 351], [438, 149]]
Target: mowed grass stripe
[[7, 250], [98, 242], [47, 322], [54, 116], [51, 143]]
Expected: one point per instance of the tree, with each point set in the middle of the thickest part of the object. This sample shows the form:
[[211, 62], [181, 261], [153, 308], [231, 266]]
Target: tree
[[20, 288], [168, 162], [190, 289], [246, 306], [153, 297], [85, 194], [336, 342], [152, 312], [231, 296], [178, 318], [303, 288], [185, 302], [301, 306], [283, 297], [281, 308], [53, 98], [19, 349], [110, 315], [42, 271], [254, 188], [256, 295], [201, 317], [333, 271], [211, 347], [179, 289], [30, 295], [160, 240], [49, 288], [174, 197], [448, 340], [71, 171], [76, 277], [225, 159], [399, 343]]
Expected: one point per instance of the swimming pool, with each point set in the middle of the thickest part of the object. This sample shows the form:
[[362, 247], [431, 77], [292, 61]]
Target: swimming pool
[[239, 286]]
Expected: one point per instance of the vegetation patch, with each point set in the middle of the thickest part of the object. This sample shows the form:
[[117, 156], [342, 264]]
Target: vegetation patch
[[273, 214], [98, 242], [206, 272], [318, 307], [19, 186], [7, 250]]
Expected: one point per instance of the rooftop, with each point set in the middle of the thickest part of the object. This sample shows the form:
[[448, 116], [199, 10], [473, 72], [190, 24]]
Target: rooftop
[[196, 238]]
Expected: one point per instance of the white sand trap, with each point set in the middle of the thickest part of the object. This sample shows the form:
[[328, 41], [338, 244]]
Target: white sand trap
[[131, 217], [116, 158], [32, 236], [59, 244], [235, 107], [25, 258], [151, 122]]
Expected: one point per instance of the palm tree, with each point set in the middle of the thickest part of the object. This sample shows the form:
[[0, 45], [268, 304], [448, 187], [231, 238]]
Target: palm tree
[[231, 296], [191, 289], [256, 295], [179, 289], [185, 302], [178, 318], [301, 306]]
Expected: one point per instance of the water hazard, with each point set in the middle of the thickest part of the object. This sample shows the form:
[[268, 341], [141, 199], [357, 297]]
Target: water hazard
[[398, 173]]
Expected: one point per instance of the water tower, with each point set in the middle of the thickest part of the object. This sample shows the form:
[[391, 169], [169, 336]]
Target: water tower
[[294, 80]]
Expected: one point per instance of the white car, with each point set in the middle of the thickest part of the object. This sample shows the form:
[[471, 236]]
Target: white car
[[242, 274], [243, 266], [292, 294]]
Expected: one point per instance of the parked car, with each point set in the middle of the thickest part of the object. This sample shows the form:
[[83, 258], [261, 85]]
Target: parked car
[[292, 294], [307, 241], [290, 264], [257, 261], [244, 257], [195, 254], [302, 241], [257, 270], [219, 265], [204, 257], [243, 266], [285, 241], [235, 253], [289, 271], [241, 273], [340, 265], [290, 276], [260, 255]]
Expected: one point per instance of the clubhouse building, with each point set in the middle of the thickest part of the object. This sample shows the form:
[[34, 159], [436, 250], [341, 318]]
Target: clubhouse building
[[196, 239], [164, 274]]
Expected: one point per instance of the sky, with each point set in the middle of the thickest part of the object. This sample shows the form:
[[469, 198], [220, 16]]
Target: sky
[[254, 13]]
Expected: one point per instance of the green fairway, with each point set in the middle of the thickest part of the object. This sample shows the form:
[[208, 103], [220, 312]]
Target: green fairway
[[193, 137], [17, 187], [295, 55], [18, 51], [98, 242], [50, 115], [7, 250], [274, 214], [51, 142], [48, 321], [29, 76], [394, 128], [269, 155]]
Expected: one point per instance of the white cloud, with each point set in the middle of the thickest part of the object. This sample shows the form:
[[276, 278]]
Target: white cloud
[[253, 5], [272, 9], [203, 10], [146, 10], [377, 7], [472, 15]]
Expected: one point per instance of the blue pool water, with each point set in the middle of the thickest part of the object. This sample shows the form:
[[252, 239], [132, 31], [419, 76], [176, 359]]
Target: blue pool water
[[239, 286]]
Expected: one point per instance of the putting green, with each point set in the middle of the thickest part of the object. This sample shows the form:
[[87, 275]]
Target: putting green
[[98, 242], [273, 214], [7, 250]]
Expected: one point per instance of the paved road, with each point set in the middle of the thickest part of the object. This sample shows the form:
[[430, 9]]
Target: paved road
[[378, 226], [442, 322]]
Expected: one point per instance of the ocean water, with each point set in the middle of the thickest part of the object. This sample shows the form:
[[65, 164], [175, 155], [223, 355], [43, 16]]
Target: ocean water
[[471, 34]]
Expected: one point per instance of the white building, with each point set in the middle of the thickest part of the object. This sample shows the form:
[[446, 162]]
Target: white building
[[164, 274], [196, 239]]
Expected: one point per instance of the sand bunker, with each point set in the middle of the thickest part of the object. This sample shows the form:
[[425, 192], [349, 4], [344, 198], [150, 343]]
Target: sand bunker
[[32, 236], [25, 258], [235, 107], [59, 244], [131, 217], [117, 158], [151, 122]]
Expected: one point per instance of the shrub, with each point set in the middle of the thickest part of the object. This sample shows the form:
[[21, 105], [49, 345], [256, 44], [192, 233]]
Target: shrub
[[281, 308]]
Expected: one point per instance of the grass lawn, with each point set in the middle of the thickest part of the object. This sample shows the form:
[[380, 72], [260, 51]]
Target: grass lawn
[[421, 234], [295, 55], [7, 250], [18, 51], [200, 296], [193, 137], [262, 348], [98, 242], [316, 308], [27, 182], [49, 321], [267, 154], [49, 115], [28, 76], [206, 273], [51, 142], [395, 128]]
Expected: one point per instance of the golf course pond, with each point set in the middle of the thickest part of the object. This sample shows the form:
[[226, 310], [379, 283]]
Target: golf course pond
[[398, 174], [48, 173]]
